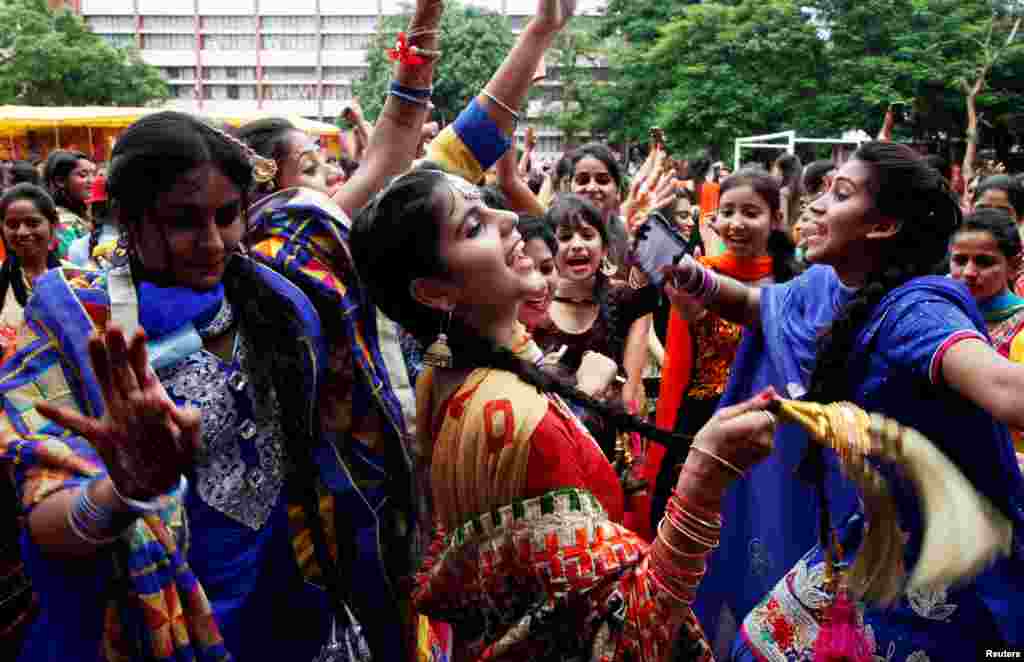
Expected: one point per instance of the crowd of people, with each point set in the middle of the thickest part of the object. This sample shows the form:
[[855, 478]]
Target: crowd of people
[[447, 404]]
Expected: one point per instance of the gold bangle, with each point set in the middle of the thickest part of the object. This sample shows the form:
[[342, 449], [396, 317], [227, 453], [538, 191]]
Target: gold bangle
[[726, 463], [710, 543], [664, 540]]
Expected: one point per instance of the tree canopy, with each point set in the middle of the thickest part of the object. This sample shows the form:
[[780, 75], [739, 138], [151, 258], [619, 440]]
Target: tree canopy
[[473, 44], [708, 72], [51, 58]]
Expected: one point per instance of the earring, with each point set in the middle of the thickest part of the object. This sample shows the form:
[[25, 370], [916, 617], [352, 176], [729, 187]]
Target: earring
[[439, 354], [608, 268]]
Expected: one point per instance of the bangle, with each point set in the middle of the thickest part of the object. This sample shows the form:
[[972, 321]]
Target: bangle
[[504, 106], [677, 552], [89, 520], [409, 99], [721, 460], [154, 504], [415, 92]]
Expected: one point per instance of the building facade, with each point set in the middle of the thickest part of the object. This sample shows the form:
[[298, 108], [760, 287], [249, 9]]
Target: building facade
[[276, 56]]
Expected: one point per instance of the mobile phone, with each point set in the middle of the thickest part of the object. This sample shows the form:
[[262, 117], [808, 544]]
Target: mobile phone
[[657, 243], [657, 135]]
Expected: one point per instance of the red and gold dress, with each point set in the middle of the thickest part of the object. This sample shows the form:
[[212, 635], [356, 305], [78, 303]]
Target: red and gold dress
[[529, 559]]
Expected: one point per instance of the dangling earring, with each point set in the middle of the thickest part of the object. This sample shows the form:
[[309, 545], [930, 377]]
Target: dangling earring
[[439, 354], [608, 268]]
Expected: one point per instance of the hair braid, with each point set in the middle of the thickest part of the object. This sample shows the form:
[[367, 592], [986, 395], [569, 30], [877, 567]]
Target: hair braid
[[469, 348]]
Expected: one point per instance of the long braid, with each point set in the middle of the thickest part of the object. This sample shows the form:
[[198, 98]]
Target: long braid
[[470, 349], [919, 197]]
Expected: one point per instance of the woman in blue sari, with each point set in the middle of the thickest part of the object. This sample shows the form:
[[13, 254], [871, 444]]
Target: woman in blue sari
[[869, 325]]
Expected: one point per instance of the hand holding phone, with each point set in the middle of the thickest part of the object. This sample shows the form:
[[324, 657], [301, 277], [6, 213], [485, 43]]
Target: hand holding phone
[[657, 244]]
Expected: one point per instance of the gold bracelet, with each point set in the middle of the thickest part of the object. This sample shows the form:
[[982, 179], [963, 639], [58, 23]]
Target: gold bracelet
[[709, 543], [726, 463], [664, 540]]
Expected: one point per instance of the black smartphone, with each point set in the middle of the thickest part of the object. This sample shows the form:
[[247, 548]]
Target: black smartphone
[[657, 243]]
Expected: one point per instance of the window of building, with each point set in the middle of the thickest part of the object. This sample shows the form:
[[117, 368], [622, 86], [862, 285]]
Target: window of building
[[118, 40], [228, 23], [107, 24], [289, 92], [275, 74], [289, 42], [337, 92], [347, 74], [517, 23], [347, 42], [229, 42], [550, 144], [168, 24], [246, 92], [350, 24], [183, 91], [168, 42], [289, 24], [180, 73], [232, 91]]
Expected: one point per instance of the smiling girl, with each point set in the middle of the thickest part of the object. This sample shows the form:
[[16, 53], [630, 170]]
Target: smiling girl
[[69, 177], [29, 231], [701, 345], [985, 253], [869, 324]]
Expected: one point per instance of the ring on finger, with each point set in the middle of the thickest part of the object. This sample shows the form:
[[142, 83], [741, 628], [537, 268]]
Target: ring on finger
[[773, 421]]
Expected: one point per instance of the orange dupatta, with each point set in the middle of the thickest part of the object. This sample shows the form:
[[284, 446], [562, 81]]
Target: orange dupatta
[[676, 373]]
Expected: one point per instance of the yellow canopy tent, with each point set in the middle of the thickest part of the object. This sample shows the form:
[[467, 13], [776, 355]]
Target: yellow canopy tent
[[92, 129]]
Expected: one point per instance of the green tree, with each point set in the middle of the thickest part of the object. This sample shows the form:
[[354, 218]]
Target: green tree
[[51, 58], [571, 61], [734, 70], [473, 44]]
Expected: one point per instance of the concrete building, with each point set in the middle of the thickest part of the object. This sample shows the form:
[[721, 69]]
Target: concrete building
[[279, 56]]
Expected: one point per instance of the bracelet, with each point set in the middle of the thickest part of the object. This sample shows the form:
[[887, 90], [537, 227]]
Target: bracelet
[[409, 99], [664, 540], [154, 504], [504, 106], [415, 92], [729, 465], [88, 520], [682, 514], [683, 501]]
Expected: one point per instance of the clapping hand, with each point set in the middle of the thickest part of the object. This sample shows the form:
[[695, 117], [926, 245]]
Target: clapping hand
[[144, 439]]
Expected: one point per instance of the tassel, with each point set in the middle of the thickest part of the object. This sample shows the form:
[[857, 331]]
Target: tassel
[[841, 638]]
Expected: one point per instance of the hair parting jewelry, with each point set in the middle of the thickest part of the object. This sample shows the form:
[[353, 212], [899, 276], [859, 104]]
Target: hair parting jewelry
[[263, 169]]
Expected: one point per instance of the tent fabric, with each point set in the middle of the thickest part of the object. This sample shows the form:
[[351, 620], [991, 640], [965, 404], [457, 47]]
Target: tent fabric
[[16, 120]]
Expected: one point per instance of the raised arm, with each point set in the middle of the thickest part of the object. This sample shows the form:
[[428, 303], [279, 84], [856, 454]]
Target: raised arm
[[146, 444], [971, 151], [483, 131], [396, 137], [520, 198], [691, 286]]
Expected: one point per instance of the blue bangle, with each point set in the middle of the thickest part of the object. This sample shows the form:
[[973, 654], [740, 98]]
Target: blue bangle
[[409, 99], [415, 92]]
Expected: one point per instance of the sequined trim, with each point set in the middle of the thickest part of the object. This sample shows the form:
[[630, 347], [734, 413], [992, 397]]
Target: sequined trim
[[221, 322], [240, 418]]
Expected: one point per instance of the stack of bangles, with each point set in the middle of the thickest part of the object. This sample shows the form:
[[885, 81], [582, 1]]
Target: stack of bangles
[[95, 524], [703, 283], [419, 96], [674, 570]]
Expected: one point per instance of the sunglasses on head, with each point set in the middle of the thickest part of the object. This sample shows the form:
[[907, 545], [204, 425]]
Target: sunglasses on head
[[583, 178]]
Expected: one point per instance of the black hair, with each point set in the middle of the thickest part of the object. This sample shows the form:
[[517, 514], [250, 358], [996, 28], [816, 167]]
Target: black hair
[[268, 138], [537, 227], [155, 151], [564, 166], [396, 240], [348, 166], [24, 172], [814, 175], [59, 165], [904, 187], [1012, 187], [10, 272], [780, 245], [494, 198], [938, 162], [600, 152]]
